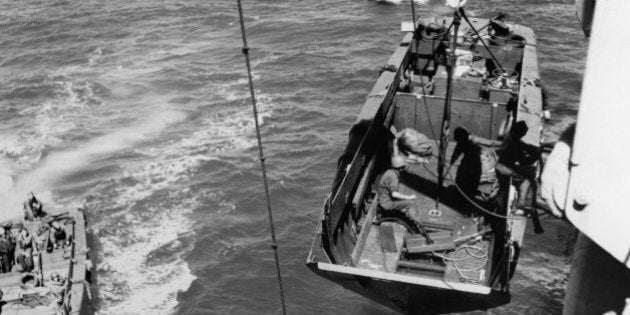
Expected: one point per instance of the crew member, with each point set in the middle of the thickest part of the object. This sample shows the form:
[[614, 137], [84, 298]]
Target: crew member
[[57, 286], [392, 202], [510, 109], [478, 161], [10, 238], [58, 235], [33, 208], [6, 251], [25, 247], [516, 159], [469, 170]]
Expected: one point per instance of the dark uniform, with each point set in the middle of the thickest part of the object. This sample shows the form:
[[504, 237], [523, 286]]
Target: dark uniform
[[7, 251], [516, 159], [469, 171], [25, 252]]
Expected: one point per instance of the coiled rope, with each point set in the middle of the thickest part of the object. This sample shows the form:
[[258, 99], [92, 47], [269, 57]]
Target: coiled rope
[[261, 156]]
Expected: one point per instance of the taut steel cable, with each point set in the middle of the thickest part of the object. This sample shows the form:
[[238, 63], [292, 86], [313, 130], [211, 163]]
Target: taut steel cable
[[261, 156]]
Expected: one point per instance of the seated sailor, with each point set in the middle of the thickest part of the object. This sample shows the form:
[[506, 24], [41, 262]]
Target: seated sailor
[[57, 286], [393, 203], [58, 234], [33, 208]]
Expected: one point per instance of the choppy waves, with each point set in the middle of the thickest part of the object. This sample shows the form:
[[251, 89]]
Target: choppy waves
[[139, 112]]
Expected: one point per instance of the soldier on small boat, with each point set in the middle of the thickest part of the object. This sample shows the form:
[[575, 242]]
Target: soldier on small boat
[[57, 285], [7, 250], [516, 159], [26, 245], [58, 235], [33, 208], [477, 164], [393, 203]]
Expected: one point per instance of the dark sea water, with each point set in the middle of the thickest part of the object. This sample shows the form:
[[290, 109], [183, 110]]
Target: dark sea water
[[139, 112]]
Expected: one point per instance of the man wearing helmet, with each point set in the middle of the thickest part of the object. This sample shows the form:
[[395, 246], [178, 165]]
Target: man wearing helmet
[[392, 202], [58, 235]]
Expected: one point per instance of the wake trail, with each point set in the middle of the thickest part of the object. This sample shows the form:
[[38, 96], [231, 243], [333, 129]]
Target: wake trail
[[57, 165]]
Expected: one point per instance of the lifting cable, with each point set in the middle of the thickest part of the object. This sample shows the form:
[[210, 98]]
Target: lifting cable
[[413, 15], [261, 156]]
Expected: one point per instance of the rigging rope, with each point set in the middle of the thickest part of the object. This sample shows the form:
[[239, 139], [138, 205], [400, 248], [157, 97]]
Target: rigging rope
[[261, 156], [448, 174]]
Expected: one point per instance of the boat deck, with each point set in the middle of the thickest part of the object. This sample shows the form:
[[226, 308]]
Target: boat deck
[[42, 299], [373, 255], [385, 244]]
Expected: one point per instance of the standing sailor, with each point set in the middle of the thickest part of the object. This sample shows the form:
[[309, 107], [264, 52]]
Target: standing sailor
[[26, 246], [516, 159], [7, 248]]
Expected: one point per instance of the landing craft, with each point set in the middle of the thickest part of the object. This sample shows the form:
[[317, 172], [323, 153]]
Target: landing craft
[[59, 282], [460, 250]]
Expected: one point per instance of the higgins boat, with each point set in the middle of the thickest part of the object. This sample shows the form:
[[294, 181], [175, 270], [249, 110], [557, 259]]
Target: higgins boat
[[60, 280], [448, 72]]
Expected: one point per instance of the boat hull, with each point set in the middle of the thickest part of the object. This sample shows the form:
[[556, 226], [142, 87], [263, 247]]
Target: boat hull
[[412, 298]]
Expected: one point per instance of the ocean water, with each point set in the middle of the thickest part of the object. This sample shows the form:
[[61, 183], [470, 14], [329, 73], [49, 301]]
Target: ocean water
[[139, 112]]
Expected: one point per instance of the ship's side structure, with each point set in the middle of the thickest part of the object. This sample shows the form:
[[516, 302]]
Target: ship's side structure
[[495, 66], [39, 291]]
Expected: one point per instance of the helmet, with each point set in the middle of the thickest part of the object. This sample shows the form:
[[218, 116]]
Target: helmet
[[398, 161], [54, 276]]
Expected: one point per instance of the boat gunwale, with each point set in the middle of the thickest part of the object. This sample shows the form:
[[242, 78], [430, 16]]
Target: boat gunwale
[[405, 278]]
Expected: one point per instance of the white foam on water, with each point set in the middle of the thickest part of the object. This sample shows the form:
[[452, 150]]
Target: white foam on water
[[36, 128], [56, 165], [127, 284], [153, 289], [145, 288]]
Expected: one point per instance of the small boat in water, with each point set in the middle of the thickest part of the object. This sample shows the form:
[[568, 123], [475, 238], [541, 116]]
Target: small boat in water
[[456, 72], [49, 271]]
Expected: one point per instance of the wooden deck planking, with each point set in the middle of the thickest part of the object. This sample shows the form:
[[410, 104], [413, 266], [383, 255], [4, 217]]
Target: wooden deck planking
[[373, 257]]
